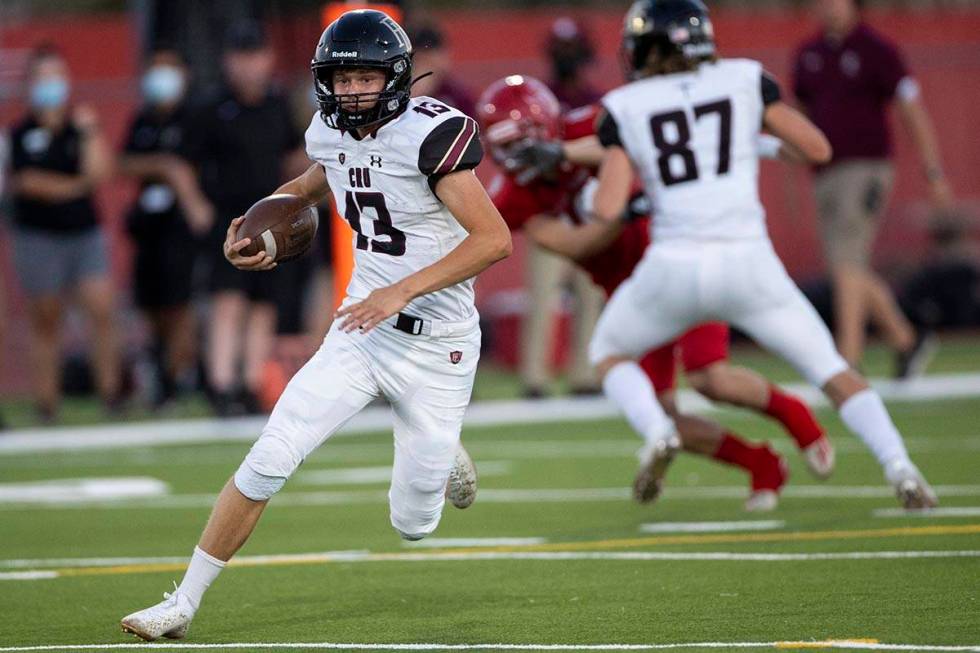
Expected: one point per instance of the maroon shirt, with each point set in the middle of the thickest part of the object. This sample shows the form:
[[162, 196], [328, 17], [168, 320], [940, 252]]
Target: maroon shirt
[[846, 88], [455, 95]]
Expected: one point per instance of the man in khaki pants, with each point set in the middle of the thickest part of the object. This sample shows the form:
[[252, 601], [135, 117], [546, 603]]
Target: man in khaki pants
[[846, 78]]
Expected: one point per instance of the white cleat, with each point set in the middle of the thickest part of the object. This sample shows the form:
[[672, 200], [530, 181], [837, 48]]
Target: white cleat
[[655, 458], [461, 488], [819, 457], [169, 618], [762, 501], [911, 488]]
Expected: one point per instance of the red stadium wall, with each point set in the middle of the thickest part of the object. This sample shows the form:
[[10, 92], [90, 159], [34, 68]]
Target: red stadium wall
[[943, 49]]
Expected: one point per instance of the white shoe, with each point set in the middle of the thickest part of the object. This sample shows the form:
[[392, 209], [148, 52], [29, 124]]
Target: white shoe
[[461, 488], [819, 458], [911, 488], [169, 618], [655, 458], [762, 501]]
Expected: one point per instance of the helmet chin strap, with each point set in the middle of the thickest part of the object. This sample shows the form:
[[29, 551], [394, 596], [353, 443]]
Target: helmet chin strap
[[419, 78]]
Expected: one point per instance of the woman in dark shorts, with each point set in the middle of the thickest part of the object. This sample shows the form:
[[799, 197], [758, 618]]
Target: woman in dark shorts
[[58, 157]]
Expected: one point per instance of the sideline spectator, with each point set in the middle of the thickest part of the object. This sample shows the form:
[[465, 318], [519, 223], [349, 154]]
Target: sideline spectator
[[432, 55], [570, 51], [245, 144], [169, 212], [59, 156], [846, 78]]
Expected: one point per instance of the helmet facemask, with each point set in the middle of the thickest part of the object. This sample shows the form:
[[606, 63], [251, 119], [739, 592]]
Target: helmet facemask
[[344, 112]]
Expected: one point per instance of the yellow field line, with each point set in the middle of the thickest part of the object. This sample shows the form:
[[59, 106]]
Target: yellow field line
[[802, 536], [798, 536], [830, 643]]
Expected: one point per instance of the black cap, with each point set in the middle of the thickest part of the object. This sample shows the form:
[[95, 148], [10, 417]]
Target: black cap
[[245, 35], [428, 36]]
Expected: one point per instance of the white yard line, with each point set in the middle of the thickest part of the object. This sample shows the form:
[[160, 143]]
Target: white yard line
[[952, 511], [82, 490], [350, 557], [711, 526], [460, 542], [487, 495], [381, 474], [823, 644], [485, 413]]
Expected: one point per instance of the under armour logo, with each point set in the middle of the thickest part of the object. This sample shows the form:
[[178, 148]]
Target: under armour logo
[[342, 157], [375, 161], [455, 357]]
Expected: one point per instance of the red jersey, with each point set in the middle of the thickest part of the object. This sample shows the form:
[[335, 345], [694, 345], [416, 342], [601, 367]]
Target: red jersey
[[555, 198]]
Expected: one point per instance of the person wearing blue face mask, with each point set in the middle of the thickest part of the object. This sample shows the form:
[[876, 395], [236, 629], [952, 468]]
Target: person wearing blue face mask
[[168, 214], [58, 158]]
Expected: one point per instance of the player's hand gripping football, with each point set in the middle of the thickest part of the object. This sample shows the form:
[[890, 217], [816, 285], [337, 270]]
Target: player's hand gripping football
[[377, 307], [233, 248]]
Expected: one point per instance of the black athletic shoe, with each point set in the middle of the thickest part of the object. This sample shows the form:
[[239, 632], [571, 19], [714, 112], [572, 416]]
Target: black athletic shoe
[[912, 363], [534, 392]]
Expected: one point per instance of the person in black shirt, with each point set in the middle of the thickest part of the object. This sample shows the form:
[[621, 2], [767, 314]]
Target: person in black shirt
[[245, 143], [168, 213], [58, 157]]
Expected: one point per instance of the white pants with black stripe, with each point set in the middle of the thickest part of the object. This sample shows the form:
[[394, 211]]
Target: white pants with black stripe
[[428, 381]]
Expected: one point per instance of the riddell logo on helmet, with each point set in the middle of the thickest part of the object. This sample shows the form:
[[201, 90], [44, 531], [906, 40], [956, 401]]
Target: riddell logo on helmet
[[345, 54]]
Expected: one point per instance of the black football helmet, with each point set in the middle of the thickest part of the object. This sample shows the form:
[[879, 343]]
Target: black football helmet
[[363, 38], [666, 27]]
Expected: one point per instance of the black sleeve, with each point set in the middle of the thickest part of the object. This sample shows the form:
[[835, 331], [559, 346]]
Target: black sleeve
[[198, 129], [607, 130], [452, 146], [770, 89], [131, 146], [18, 156]]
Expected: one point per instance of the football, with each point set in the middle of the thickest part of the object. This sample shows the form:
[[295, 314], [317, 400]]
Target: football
[[283, 226]]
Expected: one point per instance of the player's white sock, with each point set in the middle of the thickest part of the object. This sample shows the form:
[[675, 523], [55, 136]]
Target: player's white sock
[[628, 387], [865, 415], [202, 571]]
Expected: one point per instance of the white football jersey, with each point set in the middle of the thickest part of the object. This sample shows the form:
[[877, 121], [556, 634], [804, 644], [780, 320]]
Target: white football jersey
[[693, 138], [383, 186]]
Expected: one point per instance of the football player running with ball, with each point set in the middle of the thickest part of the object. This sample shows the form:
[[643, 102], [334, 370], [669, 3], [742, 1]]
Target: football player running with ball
[[689, 122], [401, 172]]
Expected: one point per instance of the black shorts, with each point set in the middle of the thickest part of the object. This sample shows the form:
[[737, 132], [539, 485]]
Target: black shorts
[[285, 285], [164, 266]]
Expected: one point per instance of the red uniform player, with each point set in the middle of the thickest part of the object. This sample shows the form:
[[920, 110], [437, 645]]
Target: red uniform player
[[543, 193]]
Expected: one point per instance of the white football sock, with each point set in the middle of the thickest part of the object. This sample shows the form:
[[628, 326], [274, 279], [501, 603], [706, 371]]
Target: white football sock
[[201, 572], [628, 387], [865, 415]]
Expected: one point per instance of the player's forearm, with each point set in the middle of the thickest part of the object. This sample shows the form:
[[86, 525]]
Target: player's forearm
[[477, 252], [615, 178], [577, 242], [311, 185], [586, 151]]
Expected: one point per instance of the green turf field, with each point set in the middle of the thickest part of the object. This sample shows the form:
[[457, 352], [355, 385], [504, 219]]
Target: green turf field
[[582, 570]]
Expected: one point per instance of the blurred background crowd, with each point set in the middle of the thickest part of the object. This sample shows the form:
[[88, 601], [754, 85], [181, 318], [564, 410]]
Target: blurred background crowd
[[131, 133]]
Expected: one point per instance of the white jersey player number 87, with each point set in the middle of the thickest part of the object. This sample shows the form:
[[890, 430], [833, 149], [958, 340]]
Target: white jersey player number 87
[[690, 123]]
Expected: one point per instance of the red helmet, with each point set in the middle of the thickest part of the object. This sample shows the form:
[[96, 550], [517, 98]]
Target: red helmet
[[517, 108]]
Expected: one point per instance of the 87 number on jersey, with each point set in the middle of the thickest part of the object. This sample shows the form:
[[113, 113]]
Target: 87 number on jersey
[[356, 202], [678, 144]]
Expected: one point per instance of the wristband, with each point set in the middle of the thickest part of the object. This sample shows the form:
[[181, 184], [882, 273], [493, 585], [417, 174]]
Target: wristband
[[768, 146]]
